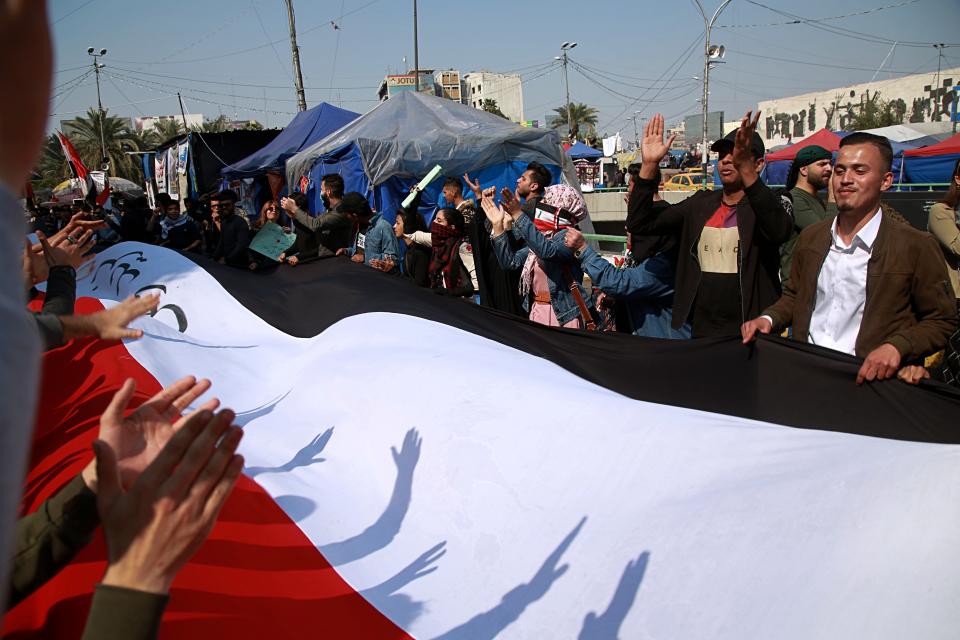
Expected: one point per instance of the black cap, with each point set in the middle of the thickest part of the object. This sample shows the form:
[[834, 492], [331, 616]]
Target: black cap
[[355, 203], [727, 142]]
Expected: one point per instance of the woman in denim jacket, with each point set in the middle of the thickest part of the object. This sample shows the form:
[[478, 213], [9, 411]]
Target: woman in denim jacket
[[548, 266]]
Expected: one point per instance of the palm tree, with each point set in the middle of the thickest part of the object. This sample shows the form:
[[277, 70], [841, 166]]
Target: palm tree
[[491, 106], [118, 138], [52, 167], [167, 129], [217, 125], [580, 114]]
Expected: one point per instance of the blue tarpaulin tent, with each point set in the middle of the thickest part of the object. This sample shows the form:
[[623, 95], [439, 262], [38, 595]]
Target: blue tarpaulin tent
[[580, 151], [390, 148], [306, 128], [932, 164]]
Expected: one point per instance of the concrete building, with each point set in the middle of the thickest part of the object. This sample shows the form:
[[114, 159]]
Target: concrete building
[[679, 130], [448, 84], [506, 89], [147, 123], [913, 99]]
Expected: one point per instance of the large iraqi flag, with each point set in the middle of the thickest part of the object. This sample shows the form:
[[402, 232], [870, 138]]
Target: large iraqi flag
[[421, 467]]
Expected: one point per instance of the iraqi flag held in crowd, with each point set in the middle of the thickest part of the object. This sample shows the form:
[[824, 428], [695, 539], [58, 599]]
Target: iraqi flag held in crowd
[[418, 466]]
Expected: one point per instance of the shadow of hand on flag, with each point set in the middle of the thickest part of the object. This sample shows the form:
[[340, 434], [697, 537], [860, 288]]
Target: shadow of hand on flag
[[400, 607], [607, 625], [379, 534], [303, 458], [490, 624]]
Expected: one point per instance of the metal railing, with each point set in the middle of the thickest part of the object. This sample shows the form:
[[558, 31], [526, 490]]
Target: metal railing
[[897, 186]]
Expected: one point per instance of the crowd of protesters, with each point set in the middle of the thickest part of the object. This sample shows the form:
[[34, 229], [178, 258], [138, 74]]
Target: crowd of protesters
[[836, 270]]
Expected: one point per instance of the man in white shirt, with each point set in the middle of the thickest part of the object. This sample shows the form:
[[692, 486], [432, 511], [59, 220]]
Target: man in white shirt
[[863, 283]]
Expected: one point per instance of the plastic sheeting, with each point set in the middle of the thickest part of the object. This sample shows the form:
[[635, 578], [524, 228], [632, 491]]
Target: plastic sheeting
[[396, 143]]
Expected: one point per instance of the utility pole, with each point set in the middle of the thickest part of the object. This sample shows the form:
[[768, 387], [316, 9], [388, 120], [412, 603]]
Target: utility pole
[[566, 46], [416, 51], [297, 75], [936, 89], [183, 113], [97, 65], [710, 54]]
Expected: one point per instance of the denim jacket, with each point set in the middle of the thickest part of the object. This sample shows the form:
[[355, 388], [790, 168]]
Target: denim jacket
[[379, 241], [647, 289], [554, 255]]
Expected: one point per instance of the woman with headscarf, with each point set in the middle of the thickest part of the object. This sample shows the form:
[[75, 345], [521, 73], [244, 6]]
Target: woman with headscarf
[[452, 271], [549, 271]]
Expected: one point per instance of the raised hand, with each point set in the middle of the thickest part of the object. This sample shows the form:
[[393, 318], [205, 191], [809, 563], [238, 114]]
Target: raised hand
[[652, 147], [494, 214], [69, 249], [474, 186], [153, 528], [78, 223], [288, 205], [138, 438], [509, 203], [742, 149]]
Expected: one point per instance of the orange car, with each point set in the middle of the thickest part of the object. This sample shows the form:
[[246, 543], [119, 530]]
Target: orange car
[[688, 181]]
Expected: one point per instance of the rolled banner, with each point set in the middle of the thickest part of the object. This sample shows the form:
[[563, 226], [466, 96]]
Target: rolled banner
[[427, 179]]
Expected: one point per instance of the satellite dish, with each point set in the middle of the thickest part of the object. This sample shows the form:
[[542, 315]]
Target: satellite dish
[[716, 52]]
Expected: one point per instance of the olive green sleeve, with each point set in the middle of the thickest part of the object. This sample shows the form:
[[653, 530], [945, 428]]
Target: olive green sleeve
[[49, 538], [124, 614]]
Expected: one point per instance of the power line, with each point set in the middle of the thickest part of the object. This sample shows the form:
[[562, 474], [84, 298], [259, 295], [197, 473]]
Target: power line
[[238, 84], [264, 29], [848, 33], [799, 21], [204, 100], [679, 63], [70, 13], [249, 49], [817, 64]]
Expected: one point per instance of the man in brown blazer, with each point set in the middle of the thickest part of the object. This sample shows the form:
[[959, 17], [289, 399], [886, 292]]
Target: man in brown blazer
[[863, 283]]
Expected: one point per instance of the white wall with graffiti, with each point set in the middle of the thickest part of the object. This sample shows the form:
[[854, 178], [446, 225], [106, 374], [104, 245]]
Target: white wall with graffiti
[[910, 99]]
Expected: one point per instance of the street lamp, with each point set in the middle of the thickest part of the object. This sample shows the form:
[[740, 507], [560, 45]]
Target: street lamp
[[96, 67], [711, 55], [636, 132], [566, 46]]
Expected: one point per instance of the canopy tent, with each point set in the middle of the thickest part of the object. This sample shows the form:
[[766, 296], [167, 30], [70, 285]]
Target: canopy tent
[[400, 140], [580, 151], [306, 128], [934, 163], [778, 163], [897, 133]]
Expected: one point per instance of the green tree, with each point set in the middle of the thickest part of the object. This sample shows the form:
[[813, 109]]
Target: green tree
[[253, 125], [217, 125], [167, 129], [118, 139], [581, 116], [52, 167], [490, 106], [876, 112]]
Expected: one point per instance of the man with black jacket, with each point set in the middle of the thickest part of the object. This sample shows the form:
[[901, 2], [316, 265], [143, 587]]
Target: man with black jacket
[[729, 240], [234, 231]]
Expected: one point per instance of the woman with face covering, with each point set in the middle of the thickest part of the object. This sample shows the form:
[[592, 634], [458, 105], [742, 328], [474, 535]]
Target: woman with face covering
[[548, 267], [452, 271]]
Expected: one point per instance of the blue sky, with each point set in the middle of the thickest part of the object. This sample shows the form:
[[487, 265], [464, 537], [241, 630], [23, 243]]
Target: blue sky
[[217, 52]]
